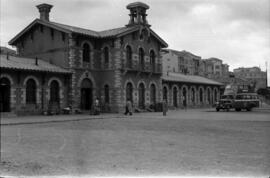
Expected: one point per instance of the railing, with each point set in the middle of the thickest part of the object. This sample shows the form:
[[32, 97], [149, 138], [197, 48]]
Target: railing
[[149, 68]]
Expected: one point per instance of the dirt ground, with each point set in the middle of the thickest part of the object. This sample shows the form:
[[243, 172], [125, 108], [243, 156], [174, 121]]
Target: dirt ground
[[206, 145]]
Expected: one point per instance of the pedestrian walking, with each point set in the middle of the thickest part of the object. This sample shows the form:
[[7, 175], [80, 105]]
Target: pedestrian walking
[[185, 103], [128, 107], [164, 107]]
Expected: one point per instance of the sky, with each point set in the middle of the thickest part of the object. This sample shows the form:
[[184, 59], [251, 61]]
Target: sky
[[236, 31]]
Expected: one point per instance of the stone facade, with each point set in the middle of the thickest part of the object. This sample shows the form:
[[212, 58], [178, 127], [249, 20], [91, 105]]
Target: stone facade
[[197, 95], [97, 62], [17, 93]]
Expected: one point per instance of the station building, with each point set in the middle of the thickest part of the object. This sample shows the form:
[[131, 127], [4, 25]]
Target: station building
[[112, 65], [60, 66]]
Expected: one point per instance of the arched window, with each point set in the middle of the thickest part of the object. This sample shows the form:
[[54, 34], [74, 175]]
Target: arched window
[[129, 57], [201, 95], [31, 89], [86, 52], [215, 95], [129, 92], [184, 94], [54, 92], [106, 57], [4, 95], [141, 95], [107, 93], [175, 96], [152, 94], [165, 94], [193, 95], [141, 58], [208, 95], [152, 60]]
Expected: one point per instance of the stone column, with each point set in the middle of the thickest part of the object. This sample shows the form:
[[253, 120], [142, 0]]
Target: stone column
[[119, 105], [71, 62]]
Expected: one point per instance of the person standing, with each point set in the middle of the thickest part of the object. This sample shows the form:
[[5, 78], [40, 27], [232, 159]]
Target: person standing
[[164, 107], [96, 108], [128, 107]]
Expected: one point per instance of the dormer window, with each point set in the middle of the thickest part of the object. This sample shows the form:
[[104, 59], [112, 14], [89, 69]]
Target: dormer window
[[86, 52], [106, 56]]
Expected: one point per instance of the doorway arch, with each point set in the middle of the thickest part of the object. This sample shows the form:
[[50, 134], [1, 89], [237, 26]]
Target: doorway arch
[[184, 94], [175, 93], [153, 94], [4, 95], [129, 91], [141, 95], [86, 94]]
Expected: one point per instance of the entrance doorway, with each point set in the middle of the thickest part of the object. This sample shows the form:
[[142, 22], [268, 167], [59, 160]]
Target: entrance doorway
[[184, 94], [141, 95], [86, 94], [4, 95], [175, 97], [129, 92], [152, 94]]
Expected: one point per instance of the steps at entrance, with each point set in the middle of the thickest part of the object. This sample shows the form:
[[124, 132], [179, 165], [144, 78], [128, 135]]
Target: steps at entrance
[[8, 114]]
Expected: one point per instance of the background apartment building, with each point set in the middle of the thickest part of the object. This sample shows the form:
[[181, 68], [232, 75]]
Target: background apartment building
[[187, 63], [257, 77], [181, 62]]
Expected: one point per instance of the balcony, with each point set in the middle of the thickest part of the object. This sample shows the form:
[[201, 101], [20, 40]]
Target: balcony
[[146, 68]]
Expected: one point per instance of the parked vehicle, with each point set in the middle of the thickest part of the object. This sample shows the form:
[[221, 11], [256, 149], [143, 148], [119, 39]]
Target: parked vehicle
[[225, 102], [246, 101]]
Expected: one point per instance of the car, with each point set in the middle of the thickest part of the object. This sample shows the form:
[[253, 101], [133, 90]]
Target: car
[[225, 102], [246, 101]]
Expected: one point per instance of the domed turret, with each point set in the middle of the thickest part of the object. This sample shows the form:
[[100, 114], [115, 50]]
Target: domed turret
[[137, 13]]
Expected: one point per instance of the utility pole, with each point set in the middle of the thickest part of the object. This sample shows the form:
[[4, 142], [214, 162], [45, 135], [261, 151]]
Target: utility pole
[[266, 75]]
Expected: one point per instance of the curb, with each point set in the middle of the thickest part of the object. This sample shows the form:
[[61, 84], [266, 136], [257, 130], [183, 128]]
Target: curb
[[54, 121]]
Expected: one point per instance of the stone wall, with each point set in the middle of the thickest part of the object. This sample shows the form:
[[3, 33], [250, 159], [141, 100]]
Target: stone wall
[[18, 91]]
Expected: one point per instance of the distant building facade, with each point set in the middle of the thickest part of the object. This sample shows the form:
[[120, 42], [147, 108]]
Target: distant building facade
[[180, 61], [5, 50], [188, 63], [253, 74]]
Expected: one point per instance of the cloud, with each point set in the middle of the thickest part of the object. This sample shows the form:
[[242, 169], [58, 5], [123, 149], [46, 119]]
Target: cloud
[[236, 31]]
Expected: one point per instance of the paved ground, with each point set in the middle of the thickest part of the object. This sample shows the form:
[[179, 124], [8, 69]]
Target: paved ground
[[195, 142]]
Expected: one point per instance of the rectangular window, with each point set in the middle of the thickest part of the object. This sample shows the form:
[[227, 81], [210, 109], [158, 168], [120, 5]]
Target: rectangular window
[[52, 33], [63, 36], [32, 35], [41, 28]]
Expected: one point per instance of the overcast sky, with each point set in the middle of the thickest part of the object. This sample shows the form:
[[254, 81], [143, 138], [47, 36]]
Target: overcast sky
[[236, 31]]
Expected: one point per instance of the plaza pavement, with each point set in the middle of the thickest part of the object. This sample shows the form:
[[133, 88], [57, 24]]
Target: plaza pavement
[[206, 113], [192, 142]]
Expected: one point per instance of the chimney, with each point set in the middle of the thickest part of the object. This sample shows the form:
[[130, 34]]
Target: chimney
[[44, 11], [36, 61]]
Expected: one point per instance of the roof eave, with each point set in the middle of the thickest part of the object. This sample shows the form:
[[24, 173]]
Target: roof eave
[[34, 70], [14, 39]]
